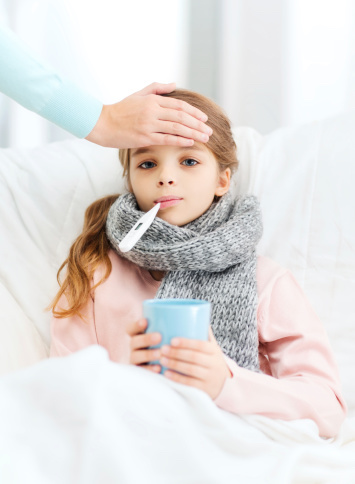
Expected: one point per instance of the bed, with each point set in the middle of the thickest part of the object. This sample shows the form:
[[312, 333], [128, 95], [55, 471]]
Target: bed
[[85, 419]]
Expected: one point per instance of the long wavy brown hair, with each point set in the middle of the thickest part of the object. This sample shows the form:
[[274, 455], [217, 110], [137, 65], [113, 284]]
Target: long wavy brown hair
[[90, 249]]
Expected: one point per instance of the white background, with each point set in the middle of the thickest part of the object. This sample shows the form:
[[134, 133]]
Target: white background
[[280, 62]]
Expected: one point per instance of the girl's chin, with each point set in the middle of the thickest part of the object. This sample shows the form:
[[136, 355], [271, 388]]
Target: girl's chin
[[174, 216], [173, 219], [178, 221]]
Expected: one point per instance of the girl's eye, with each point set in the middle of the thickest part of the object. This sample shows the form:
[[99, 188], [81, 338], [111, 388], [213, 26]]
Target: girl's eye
[[150, 163], [190, 162]]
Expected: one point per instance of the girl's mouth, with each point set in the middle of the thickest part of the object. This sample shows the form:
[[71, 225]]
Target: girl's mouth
[[169, 203]]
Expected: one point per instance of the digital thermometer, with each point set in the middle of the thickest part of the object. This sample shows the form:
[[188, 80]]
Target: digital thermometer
[[138, 229]]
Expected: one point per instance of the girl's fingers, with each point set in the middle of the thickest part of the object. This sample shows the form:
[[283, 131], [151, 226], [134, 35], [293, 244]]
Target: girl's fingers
[[136, 327], [193, 344], [189, 369], [140, 342], [177, 129], [144, 340], [177, 104], [153, 368], [144, 356], [190, 356], [185, 380], [185, 119]]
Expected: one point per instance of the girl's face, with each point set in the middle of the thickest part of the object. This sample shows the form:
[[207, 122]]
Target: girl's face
[[187, 176]]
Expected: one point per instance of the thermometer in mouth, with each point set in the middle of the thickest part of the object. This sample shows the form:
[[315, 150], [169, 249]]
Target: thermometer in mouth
[[138, 229]]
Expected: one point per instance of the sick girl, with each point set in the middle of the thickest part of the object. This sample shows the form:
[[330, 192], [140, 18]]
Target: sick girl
[[267, 352]]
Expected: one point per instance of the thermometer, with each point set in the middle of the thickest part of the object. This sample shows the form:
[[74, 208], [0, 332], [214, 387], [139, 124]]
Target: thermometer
[[138, 229]]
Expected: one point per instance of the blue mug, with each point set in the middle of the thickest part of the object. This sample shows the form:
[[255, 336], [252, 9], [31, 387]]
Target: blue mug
[[186, 318]]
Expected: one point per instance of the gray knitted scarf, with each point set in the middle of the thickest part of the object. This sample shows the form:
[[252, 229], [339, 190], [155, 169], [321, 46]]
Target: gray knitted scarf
[[211, 258]]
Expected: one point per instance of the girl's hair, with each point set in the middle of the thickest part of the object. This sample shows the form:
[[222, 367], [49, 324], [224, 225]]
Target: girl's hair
[[90, 249]]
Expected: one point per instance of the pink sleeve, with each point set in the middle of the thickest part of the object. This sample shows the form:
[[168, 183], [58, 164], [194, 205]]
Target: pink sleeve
[[304, 380], [72, 334]]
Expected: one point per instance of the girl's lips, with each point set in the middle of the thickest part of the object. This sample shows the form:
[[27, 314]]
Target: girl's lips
[[169, 203]]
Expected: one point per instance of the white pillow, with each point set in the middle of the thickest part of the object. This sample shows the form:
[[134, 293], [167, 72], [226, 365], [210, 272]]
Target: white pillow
[[44, 194]]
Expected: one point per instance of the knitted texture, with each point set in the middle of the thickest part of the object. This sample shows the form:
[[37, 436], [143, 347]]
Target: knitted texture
[[211, 258]]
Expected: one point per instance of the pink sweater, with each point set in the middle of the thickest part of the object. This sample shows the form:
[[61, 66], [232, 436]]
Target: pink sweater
[[300, 377]]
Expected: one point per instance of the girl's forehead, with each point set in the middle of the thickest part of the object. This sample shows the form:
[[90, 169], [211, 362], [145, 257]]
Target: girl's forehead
[[167, 149]]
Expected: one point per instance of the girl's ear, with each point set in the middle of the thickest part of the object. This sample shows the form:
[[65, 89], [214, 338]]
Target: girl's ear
[[223, 182]]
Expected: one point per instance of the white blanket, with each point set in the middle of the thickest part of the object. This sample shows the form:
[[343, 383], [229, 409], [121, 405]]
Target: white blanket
[[84, 419]]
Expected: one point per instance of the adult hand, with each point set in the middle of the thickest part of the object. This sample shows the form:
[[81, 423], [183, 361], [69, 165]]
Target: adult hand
[[202, 363], [140, 354], [145, 118]]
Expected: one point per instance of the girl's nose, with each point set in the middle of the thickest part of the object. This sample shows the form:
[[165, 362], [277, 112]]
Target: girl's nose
[[166, 177], [168, 182]]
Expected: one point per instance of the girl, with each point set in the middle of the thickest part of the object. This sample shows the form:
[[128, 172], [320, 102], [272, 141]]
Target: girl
[[267, 353]]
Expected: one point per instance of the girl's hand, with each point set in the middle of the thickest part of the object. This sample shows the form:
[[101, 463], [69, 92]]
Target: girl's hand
[[145, 118], [202, 363], [140, 354]]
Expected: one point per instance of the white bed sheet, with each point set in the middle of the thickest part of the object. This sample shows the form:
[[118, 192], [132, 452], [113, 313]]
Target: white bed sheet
[[84, 419]]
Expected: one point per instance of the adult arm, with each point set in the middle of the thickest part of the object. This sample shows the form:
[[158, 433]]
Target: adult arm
[[142, 119], [304, 380], [38, 88]]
